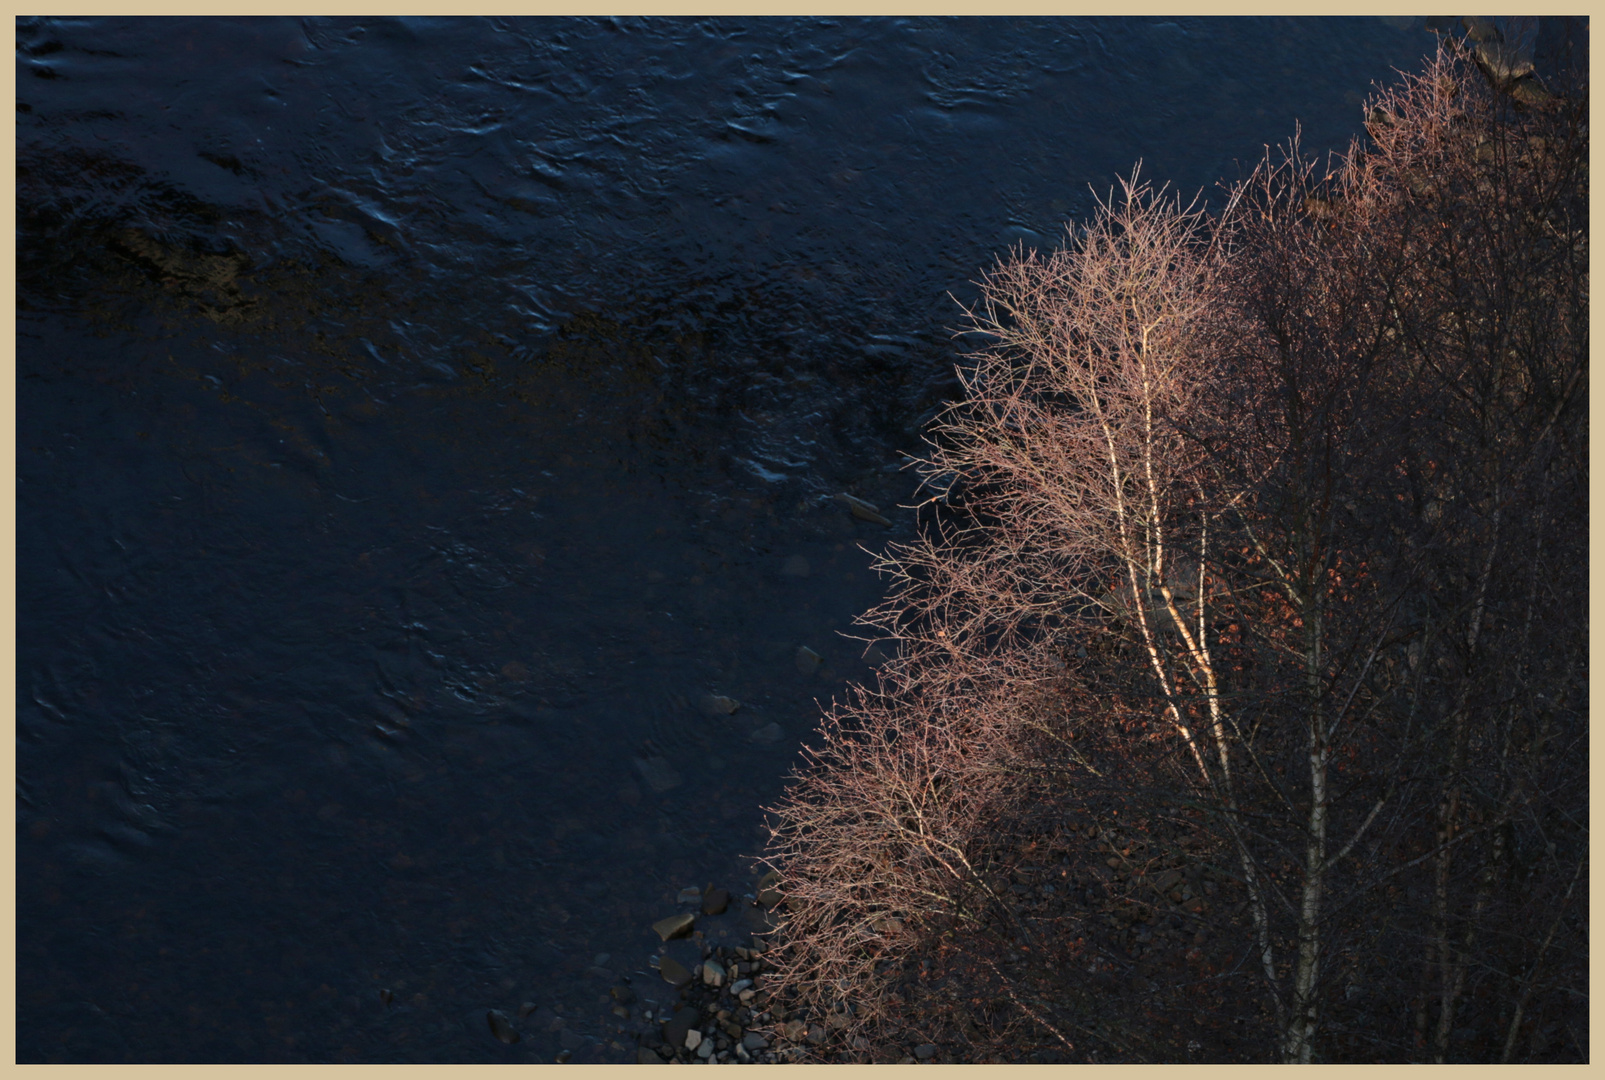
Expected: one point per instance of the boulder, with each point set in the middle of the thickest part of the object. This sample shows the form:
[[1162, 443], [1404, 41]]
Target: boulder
[[681, 1022], [674, 973], [674, 926]]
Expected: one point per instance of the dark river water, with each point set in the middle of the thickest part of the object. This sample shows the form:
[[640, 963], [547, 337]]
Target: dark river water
[[421, 421]]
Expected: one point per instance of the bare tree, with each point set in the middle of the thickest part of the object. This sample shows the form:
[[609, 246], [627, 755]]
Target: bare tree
[[1255, 518]]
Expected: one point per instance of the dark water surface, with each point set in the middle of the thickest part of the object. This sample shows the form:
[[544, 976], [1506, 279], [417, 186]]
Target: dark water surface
[[419, 419]]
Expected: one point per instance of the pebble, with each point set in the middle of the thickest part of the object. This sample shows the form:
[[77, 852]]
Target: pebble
[[713, 974], [755, 1041], [646, 1056], [693, 1039], [720, 705], [767, 734], [501, 1027], [925, 1051], [808, 661], [689, 895], [715, 901]]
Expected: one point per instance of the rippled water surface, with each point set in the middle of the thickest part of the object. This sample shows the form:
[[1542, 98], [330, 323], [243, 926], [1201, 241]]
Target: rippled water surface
[[418, 420]]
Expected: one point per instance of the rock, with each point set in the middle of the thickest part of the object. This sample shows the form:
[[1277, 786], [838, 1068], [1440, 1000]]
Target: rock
[[925, 1051], [796, 566], [689, 895], [739, 985], [693, 1039], [526, 1008], [769, 733], [674, 973], [645, 1056], [808, 661], [682, 1021], [755, 1041], [674, 926], [816, 1034], [719, 705], [860, 1043], [501, 1027], [715, 901], [1529, 92], [795, 1030], [1502, 64], [658, 773], [712, 974], [862, 510], [769, 880], [1480, 29], [621, 994]]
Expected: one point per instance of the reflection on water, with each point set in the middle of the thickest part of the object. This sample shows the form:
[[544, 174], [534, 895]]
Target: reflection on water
[[424, 424]]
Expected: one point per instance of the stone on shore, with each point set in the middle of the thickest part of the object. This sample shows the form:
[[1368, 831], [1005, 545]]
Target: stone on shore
[[682, 1021]]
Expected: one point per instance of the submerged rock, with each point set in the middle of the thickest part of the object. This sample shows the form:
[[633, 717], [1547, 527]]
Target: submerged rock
[[808, 661], [674, 973], [501, 1027], [659, 775], [864, 511], [719, 705]]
